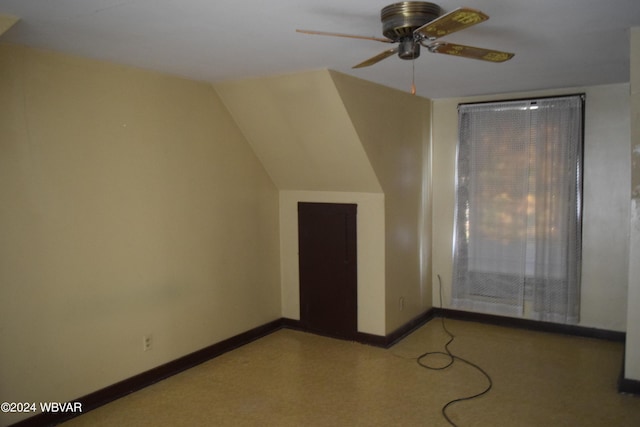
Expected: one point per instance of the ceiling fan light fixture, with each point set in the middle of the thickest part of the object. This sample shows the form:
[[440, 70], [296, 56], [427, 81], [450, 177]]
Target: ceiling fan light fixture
[[408, 48]]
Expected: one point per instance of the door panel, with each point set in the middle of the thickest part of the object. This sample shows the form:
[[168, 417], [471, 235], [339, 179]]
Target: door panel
[[328, 268]]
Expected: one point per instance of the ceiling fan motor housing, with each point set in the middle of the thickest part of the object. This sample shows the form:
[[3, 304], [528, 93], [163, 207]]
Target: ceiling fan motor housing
[[399, 20], [408, 48]]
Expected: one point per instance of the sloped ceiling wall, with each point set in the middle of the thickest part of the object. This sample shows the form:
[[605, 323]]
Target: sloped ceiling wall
[[394, 129], [300, 131], [6, 22], [323, 131], [391, 125]]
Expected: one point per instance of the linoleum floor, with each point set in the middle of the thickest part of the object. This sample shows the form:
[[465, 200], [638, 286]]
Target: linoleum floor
[[292, 378]]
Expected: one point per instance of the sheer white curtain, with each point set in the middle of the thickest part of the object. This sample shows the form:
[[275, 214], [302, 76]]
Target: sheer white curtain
[[518, 208]]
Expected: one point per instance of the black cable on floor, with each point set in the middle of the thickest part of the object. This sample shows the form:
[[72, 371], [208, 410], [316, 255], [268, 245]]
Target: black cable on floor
[[452, 358]]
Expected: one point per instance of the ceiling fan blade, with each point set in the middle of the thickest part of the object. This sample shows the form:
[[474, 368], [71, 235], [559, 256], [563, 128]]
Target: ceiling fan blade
[[451, 22], [324, 33], [471, 52], [379, 57]]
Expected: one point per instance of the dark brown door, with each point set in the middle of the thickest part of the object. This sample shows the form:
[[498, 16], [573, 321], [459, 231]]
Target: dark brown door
[[328, 268]]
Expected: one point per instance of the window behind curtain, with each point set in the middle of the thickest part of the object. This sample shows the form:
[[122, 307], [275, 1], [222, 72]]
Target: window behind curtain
[[517, 231]]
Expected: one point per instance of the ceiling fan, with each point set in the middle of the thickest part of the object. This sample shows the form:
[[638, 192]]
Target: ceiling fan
[[413, 24]]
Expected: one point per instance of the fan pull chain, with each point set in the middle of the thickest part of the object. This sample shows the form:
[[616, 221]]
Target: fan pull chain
[[413, 77]]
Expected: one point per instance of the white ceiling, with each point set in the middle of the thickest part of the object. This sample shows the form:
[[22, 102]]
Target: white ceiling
[[558, 43]]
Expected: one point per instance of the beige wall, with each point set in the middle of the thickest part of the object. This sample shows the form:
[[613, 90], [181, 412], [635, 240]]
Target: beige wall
[[6, 22], [606, 189], [370, 246], [394, 129], [323, 133], [632, 359], [298, 127], [131, 204]]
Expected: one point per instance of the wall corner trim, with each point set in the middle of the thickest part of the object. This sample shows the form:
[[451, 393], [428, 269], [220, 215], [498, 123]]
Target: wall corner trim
[[626, 385]]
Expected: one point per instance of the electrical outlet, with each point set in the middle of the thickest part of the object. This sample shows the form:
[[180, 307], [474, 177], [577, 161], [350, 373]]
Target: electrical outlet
[[146, 342], [401, 303]]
